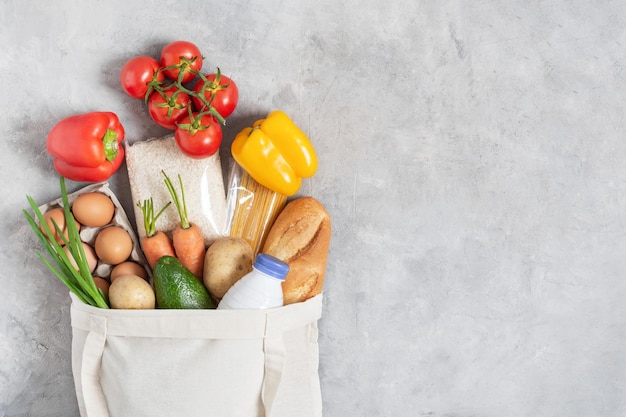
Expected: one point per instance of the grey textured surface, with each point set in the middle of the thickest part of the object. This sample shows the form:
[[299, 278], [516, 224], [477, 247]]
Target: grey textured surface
[[472, 155]]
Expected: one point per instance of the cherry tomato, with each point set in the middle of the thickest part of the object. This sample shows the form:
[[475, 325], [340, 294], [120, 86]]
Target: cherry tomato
[[199, 137], [168, 108], [183, 56], [137, 72], [219, 88]]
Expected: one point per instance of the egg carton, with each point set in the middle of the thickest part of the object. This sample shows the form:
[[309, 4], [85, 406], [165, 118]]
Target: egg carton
[[88, 234]]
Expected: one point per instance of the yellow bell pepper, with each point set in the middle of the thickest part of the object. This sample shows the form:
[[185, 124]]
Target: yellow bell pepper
[[276, 153]]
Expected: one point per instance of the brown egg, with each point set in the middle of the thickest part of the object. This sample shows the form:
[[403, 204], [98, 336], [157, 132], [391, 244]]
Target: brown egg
[[103, 284], [113, 245], [93, 209], [58, 216], [90, 256], [128, 268]]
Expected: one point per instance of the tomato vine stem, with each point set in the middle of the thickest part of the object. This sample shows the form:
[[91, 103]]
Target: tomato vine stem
[[161, 86]]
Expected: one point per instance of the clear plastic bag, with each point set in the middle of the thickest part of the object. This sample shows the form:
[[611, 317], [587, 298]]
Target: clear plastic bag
[[202, 178]]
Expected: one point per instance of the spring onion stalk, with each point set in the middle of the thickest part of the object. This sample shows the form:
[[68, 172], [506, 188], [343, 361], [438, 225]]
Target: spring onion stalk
[[79, 281]]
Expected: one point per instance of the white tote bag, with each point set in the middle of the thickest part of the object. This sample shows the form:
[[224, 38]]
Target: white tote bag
[[187, 363]]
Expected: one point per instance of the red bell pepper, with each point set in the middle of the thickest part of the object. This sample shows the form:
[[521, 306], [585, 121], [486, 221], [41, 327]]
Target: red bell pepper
[[87, 147]]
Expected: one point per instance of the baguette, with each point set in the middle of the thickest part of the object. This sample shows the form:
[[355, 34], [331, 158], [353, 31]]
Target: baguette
[[300, 237]]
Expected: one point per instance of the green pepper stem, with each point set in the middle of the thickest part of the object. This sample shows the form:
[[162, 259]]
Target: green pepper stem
[[111, 147]]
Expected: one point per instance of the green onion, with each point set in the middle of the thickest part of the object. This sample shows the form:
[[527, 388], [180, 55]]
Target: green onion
[[80, 282]]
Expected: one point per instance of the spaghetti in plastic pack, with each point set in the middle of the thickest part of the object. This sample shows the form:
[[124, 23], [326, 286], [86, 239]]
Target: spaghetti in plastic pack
[[252, 208], [202, 179]]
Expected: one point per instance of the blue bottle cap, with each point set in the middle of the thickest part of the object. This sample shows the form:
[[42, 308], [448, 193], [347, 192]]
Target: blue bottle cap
[[271, 266]]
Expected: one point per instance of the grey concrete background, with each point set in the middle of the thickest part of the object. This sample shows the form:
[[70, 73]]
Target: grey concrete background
[[472, 156]]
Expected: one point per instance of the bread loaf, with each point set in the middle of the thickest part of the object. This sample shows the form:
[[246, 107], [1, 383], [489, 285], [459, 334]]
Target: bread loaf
[[300, 236]]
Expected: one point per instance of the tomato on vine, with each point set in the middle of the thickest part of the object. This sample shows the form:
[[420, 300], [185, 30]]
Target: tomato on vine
[[181, 60], [199, 135], [219, 91], [168, 106], [137, 73], [194, 114]]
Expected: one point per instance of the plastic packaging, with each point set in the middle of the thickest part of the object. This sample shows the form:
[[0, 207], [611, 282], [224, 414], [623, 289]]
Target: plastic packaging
[[259, 289], [251, 208], [204, 185]]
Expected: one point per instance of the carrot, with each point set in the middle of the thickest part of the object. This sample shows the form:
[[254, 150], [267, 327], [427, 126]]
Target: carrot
[[189, 248], [187, 237], [155, 244]]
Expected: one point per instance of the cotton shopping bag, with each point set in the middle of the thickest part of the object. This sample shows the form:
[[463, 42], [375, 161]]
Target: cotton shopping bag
[[187, 363]]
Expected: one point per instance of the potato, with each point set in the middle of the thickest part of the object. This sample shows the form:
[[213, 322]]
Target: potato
[[226, 261], [131, 292]]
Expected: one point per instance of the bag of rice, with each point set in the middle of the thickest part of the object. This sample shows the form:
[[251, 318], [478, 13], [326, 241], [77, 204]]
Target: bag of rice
[[205, 196]]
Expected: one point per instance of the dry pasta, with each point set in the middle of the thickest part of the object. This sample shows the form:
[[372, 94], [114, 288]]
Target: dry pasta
[[254, 208]]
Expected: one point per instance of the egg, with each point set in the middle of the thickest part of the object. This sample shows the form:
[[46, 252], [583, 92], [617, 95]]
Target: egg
[[113, 245], [128, 268], [131, 292], [94, 209], [57, 215], [103, 284], [90, 257]]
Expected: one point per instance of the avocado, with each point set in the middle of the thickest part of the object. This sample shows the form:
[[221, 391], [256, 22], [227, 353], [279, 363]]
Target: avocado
[[177, 288]]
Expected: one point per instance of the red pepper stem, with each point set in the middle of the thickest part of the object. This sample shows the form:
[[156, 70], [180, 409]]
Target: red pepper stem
[[111, 147]]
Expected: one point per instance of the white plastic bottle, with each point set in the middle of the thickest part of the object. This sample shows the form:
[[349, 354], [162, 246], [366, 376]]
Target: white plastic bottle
[[260, 288]]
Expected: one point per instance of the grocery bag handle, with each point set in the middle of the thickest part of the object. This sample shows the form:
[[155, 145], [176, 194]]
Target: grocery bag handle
[[93, 397], [275, 350]]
